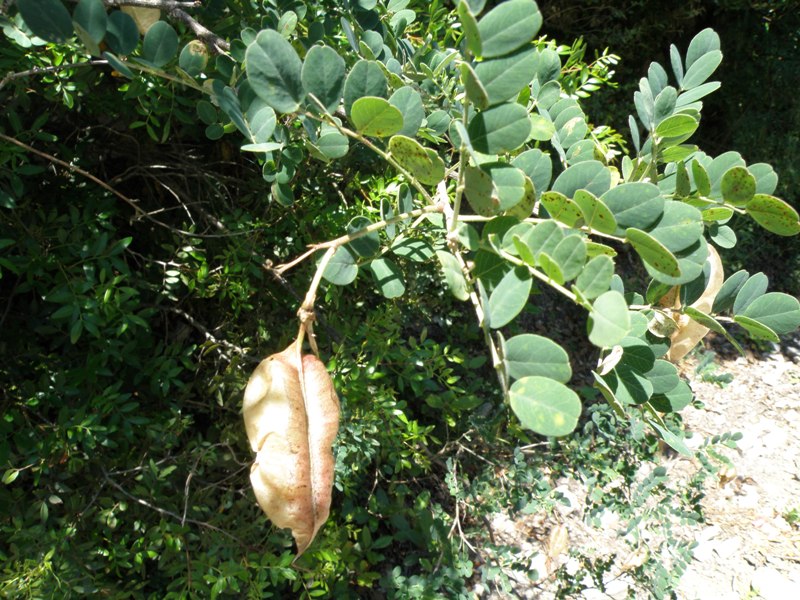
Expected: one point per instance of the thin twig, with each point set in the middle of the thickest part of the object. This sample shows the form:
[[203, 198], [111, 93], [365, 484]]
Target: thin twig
[[208, 335], [132, 203], [42, 70]]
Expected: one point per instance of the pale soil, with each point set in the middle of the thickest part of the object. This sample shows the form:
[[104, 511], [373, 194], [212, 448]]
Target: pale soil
[[746, 547]]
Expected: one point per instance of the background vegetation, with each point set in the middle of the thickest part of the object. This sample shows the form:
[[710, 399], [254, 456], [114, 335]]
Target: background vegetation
[[130, 323]]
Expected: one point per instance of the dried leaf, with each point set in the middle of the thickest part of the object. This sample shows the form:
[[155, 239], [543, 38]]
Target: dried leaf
[[145, 18], [291, 414], [690, 332]]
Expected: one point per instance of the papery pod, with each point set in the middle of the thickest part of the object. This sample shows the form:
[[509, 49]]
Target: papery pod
[[145, 18], [690, 332], [291, 414]]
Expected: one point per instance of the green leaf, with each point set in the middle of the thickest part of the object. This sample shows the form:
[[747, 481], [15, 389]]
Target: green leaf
[[679, 227], [333, 145], [408, 101], [374, 116], [677, 126], [90, 15], [523, 209], [634, 204], [48, 19], [122, 35], [711, 323], [453, 275], [342, 268], [544, 237], [508, 184], [595, 277], [727, 293], [751, 289], [470, 27], [367, 245], [596, 215], [738, 186], [118, 65], [529, 354], [773, 214], [160, 44], [717, 213], [663, 376], [274, 71], [509, 26], [366, 78], [503, 78], [778, 311], [550, 267], [756, 329], [570, 255], [673, 400], [412, 249], [701, 69], [766, 178], [629, 386], [544, 405], [323, 75], [674, 441], [609, 320], [228, 102], [536, 165], [704, 42], [282, 193], [473, 86], [701, 179], [422, 163], [561, 208], [502, 128], [388, 277], [262, 147], [193, 58], [592, 176], [10, 476], [509, 297], [542, 129]]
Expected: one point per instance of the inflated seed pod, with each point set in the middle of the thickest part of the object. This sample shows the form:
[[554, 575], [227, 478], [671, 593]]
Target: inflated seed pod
[[291, 414]]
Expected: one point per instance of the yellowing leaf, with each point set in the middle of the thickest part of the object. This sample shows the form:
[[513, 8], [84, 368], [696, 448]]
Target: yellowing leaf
[[291, 414]]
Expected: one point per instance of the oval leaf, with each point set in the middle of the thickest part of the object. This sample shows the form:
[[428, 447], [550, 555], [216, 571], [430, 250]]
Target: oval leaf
[[323, 75], [502, 128], [609, 320], [508, 27], [160, 44], [422, 163], [529, 354], [376, 117], [274, 71], [773, 214], [545, 406], [509, 297], [48, 19]]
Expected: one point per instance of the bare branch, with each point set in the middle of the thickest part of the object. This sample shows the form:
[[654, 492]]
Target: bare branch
[[209, 38], [211, 337], [162, 4]]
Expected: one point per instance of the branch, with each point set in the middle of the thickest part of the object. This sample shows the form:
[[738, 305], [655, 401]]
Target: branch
[[162, 4], [53, 69], [208, 335], [208, 37], [132, 203]]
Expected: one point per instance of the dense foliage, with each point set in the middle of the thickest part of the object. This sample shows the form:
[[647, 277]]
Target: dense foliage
[[145, 269]]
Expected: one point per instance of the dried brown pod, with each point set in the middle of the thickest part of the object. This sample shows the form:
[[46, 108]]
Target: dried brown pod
[[291, 414], [690, 332]]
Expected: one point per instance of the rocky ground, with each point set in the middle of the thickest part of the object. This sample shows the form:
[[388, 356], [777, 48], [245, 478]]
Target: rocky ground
[[749, 545]]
